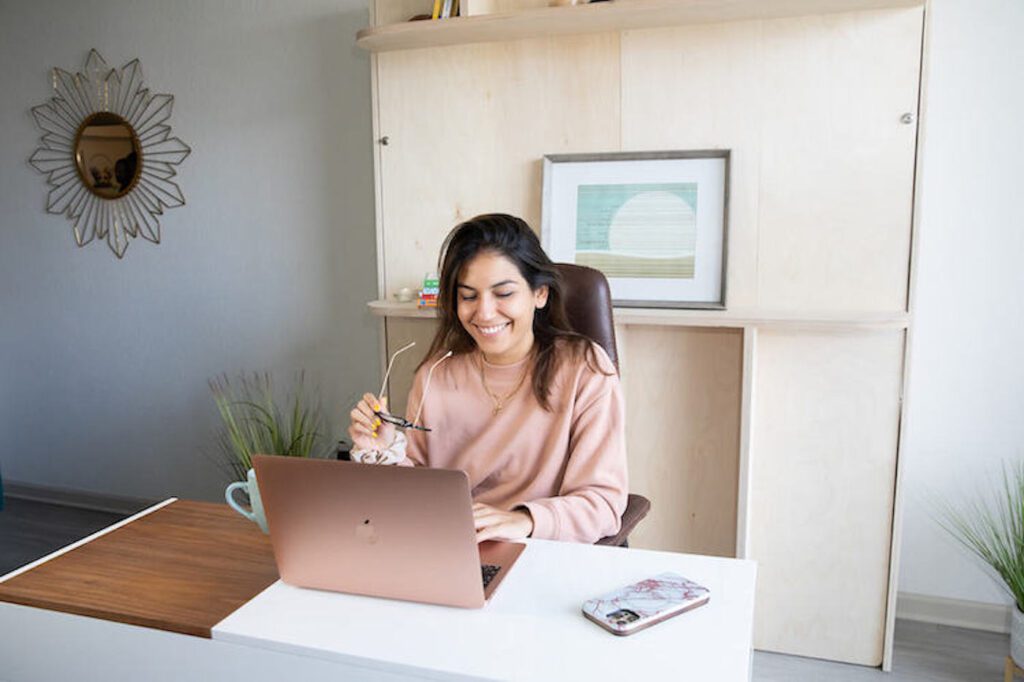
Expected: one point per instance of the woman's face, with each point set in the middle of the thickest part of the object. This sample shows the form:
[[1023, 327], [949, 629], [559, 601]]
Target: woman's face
[[496, 306]]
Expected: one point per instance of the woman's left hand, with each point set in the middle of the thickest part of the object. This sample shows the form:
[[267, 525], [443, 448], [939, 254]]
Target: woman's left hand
[[497, 524]]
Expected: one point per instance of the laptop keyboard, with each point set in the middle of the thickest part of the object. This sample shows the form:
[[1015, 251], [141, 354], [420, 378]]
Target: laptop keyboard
[[489, 571]]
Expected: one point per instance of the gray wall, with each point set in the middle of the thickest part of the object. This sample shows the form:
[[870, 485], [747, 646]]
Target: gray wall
[[104, 363]]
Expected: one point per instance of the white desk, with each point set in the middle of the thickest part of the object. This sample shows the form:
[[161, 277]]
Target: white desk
[[531, 630]]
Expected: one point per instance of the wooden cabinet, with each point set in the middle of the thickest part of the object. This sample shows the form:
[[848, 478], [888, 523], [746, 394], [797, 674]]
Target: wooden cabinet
[[769, 430]]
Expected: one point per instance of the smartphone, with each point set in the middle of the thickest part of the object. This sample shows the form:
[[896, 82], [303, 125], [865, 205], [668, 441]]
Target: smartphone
[[643, 604]]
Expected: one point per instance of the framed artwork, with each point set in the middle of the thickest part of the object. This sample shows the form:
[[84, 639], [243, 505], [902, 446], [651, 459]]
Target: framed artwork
[[654, 223]]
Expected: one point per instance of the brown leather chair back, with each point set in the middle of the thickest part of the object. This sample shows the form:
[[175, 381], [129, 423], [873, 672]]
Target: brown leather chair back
[[588, 303]]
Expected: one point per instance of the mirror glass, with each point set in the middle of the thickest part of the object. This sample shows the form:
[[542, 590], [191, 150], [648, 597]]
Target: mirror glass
[[107, 155]]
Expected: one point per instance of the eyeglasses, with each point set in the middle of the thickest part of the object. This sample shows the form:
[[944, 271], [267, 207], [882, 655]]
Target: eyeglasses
[[400, 422]]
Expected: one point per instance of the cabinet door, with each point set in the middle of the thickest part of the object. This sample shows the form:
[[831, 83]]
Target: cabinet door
[[467, 127], [822, 156], [823, 461]]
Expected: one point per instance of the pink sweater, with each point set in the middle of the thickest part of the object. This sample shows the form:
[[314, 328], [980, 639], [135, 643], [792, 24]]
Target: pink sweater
[[567, 466]]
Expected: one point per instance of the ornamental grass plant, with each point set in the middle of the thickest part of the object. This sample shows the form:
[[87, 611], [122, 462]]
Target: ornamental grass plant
[[994, 531], [253, 422]]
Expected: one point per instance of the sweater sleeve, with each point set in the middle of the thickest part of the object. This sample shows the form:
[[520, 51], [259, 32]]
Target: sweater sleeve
[[594, 488]]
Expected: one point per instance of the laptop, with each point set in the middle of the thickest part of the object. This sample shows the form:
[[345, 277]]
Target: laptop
[[382, 531]]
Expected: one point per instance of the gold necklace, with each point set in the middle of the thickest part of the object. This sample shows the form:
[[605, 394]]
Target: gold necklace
[[501, 400]]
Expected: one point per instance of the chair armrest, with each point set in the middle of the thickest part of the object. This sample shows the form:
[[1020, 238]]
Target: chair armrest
[[637, 507]]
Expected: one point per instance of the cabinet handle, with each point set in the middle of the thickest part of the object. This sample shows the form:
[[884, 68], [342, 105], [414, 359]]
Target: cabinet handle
[[383, 141]]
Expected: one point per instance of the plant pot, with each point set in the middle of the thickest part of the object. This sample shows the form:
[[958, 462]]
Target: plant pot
[[1017, 636]]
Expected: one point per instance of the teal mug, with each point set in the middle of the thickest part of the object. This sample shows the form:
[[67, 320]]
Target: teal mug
[[255, 511]]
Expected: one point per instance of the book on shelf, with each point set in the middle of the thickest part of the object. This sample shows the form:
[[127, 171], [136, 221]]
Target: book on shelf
[[428, 294], [445, 9], [450, 9]]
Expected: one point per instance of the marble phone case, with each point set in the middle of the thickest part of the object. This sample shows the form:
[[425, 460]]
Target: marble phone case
[[645, 603]]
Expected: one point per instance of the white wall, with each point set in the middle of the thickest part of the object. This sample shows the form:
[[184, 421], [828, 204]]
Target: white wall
[[965, 413], [103, 364]]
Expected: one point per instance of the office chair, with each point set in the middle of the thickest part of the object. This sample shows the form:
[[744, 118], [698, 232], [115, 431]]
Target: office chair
[[588, 304]]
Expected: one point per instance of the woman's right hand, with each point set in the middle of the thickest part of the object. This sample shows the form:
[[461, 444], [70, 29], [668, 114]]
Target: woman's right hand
[[366, 429]]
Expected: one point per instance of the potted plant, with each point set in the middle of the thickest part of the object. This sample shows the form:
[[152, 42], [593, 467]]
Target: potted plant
[[995, 533], [252, 422]]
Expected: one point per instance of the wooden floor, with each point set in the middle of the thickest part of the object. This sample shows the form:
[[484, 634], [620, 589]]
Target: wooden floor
[[936, 653], [29, 530]]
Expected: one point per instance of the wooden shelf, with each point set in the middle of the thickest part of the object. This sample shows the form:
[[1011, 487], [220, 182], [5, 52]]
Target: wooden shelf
[[599, 18], [737, 319], [395, 309]]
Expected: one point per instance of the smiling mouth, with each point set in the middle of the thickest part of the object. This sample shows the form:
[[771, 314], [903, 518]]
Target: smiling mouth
[[493, 329]]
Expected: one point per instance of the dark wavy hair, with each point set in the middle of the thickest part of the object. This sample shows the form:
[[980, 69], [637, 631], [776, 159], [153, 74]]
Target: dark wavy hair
[[511, 237]]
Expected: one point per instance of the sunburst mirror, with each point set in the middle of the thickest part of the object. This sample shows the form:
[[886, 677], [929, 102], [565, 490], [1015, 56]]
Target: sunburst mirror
[[108, 154]]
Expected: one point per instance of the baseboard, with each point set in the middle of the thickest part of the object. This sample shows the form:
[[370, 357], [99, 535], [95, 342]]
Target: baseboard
[[957, 612], [81, 499]]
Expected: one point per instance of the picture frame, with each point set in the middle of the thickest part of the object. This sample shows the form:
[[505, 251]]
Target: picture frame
[[655, 223]]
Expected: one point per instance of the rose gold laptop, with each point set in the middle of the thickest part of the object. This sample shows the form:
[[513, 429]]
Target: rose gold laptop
[[383, 531]]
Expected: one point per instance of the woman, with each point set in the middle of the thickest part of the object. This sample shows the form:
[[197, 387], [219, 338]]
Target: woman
[[531, 411]]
